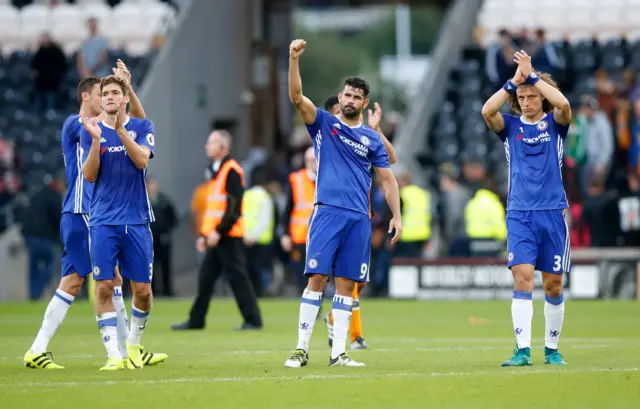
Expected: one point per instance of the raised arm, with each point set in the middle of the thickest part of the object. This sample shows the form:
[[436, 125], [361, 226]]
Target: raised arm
[[91, 163], [393, 158], [491, 108], [375, 118], [135, 106], [303, 105], [561, 106]]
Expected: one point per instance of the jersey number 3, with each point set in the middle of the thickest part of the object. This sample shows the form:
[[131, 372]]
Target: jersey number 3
[[557, 260]]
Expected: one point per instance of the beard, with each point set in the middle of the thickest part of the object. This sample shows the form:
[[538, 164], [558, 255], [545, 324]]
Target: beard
[[349, 112]]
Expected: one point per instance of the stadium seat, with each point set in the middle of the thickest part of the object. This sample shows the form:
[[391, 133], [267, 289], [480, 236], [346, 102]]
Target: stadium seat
[[35, 20], [447, 151], [68, 26], [89, 2], [10, 37], [97, 10], [583, 57]]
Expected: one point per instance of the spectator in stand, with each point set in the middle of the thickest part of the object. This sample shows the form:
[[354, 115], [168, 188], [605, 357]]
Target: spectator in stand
[[544, 55], [455, 197], [599, 141], [499, 59], [49, 66], [634, 142], [92, 59], [606, 94], [600, 213], [8, 179]]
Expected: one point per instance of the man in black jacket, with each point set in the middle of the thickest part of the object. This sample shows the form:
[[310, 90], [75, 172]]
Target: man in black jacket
[[222, 232], [41, 229], [161, 229]]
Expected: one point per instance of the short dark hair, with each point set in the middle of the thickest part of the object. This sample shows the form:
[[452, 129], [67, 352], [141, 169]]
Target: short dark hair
[[85, 85], [358, 83], [112, 79], [330, 102]]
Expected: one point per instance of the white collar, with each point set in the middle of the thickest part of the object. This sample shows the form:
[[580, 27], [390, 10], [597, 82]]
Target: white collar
[[524, 121], [106, 125]]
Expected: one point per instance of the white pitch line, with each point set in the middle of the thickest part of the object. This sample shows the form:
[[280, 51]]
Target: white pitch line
[[506, 372], [376, 350]]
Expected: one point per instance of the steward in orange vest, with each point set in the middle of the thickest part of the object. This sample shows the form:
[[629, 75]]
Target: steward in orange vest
[[221, 238]]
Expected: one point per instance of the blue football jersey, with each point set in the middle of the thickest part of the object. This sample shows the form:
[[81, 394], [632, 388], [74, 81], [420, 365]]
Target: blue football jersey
[[534, 155], [120, 192], [344, 157], [79, 190]]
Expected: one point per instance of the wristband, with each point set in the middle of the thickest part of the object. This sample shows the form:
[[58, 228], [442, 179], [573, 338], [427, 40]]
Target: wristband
[[532, 78], [510, 87]]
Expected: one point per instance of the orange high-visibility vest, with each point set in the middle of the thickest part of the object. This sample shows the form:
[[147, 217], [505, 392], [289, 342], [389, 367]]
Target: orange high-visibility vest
[[217, 201], [303, 190], [199, 204]]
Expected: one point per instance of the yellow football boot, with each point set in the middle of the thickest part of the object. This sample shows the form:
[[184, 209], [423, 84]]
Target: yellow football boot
[[41, 361]]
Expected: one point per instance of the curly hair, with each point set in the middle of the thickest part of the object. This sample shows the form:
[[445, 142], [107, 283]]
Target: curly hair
[[546, 105], [112, 79]]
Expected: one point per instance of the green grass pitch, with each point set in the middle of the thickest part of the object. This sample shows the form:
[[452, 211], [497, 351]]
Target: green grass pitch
[[423, 354]]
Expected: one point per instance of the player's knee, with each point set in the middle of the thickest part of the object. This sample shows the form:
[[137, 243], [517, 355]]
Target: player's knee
[[523, 277], [361, 286], [345, 287], [142, 291], [71, 284], [104, 291], [317, 282], [553, 287]]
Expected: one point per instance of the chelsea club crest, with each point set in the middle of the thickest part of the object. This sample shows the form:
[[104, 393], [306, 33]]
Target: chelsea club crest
[[542, 125]]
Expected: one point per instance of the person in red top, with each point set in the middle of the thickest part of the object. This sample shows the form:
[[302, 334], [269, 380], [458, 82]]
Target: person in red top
[[332, 106]]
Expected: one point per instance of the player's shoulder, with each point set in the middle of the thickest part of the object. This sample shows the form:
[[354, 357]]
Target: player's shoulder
[[511, 117], [72, 122], [324, 116], [71, 127], [139, 123], [72, 118]]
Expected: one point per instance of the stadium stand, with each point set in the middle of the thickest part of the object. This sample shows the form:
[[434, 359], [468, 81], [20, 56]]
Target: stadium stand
[[131, 27]]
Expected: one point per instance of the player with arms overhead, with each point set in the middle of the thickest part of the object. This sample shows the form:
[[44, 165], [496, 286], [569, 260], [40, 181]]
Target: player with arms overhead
[[117, 151], [537, 234], [339, 235], [74, 230]]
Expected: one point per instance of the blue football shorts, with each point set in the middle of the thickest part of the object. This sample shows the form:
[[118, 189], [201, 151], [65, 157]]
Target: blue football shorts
[[339, 243], [130, 245], [540, 238]]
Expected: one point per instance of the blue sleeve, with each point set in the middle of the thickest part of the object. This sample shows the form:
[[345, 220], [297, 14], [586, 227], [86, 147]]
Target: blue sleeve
[[563, 130], [313, 128], [85, 144], [380, 157], [146, 136], [71, 129], [504, 133]]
